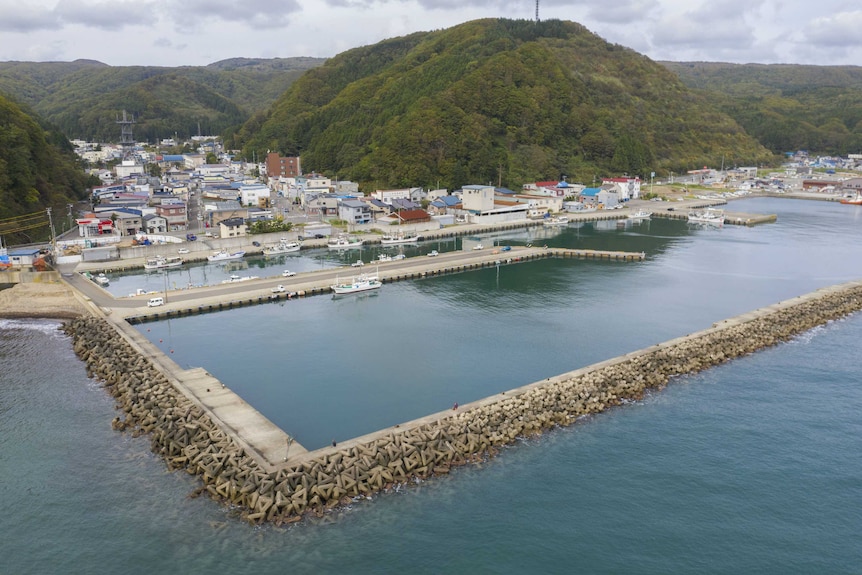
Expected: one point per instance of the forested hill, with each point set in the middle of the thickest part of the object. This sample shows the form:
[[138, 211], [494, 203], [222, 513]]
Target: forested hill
[[38, 169], [496, 101], [786, 106], [83, 98]]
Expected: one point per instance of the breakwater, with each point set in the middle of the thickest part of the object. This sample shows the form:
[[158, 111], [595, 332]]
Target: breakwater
[[324, 478]]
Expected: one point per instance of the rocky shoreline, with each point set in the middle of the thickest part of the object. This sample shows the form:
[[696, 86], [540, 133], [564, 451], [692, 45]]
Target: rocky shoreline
[[184, 435]]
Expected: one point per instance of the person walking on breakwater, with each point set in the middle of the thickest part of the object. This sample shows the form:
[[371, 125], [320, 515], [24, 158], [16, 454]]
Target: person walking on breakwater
[[454, 407]]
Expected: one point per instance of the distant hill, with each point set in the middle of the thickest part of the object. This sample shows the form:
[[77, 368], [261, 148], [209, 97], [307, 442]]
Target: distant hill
[[84, 97], [787, 107], [499, 101], [38, 169]]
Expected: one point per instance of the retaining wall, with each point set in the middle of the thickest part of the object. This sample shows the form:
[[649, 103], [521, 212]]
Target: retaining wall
[[187, 439]]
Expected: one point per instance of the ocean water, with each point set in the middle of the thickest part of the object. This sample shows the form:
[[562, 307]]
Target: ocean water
[[753, 466]]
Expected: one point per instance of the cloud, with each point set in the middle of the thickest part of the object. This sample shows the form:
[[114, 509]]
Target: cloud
[[839, 30], [17, 18], [255, 13]]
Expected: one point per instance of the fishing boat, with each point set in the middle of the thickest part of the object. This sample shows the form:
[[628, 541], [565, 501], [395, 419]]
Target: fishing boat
[[556, 221], [344, 241], [224, 255], [357, 284], [857, 201], [282, 247], [709, 216], [236, 279], [640, 215], [102, 280], [399, 238], [159, 262]]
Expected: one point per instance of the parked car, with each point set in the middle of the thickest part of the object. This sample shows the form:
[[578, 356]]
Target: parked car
[[433, 253], [256, 244], [319, 236], [183, 251], [288, 273], [506, 249], [156, 301], [278, 289], [191, 237]]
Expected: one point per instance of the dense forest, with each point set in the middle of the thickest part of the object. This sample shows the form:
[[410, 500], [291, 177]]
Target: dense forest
[[787, 107], [84, 98], [499, 101], [38, 169]]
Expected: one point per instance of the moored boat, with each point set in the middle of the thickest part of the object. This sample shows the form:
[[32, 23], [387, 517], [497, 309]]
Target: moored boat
[[344, 241], [709, 216], [399, 238], [857, 201], [224, 255], [159, 262], [640, 215], [282, 247], [360, 283], [556, 221]]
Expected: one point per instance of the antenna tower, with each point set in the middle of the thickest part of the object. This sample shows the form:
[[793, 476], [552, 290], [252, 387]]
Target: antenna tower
[[537, 10], [127, 141]]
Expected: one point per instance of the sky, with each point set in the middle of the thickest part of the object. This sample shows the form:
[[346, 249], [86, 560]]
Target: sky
[[200, 32]]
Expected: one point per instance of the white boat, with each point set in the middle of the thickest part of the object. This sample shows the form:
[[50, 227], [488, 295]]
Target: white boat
[[556, 221], [709, 216], [282, 247], [159, 262], [235, 279], [360, 283], [640, 215], [344, 241], [224, 255], [102, 280], [399, 238]]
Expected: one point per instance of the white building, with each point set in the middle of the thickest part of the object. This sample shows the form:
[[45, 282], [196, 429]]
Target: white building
[[251, 194]]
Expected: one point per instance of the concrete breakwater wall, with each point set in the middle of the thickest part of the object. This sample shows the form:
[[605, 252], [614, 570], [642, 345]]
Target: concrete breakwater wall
[[316, 481]]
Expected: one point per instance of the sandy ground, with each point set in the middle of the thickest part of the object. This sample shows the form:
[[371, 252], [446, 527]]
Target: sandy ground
[[53, 300]]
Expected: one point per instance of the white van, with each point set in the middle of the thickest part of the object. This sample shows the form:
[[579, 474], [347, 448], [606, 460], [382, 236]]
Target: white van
[[156, 301]]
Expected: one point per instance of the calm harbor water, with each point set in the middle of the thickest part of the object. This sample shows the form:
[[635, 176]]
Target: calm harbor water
[[749, 467]]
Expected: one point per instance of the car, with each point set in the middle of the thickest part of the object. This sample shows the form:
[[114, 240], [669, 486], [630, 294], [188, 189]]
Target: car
[[191, 237], [156, 301], [671, 209], [288, 273], [278, 289], [255, 244], [506, 249], [183, 251], [319, 236], [433, 253]]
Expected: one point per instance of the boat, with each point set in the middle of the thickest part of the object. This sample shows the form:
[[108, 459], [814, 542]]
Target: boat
[[556, 221], [101, 279], [159, 262], [857, 201], [399, 238], [709, 216], [344, 241], [282, 247], [224, 255], [360, 283], [640, 215], [235, 279]]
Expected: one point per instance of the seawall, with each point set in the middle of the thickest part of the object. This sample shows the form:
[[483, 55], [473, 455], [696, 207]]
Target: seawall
[[183, 434]]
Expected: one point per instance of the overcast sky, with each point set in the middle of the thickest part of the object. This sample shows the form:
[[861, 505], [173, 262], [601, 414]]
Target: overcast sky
[[199, 32]]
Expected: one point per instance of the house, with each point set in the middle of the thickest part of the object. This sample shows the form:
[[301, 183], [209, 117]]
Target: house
[[852, 185], [232, 228], [128, 222], [540, 203], [444, 205], [175, 214], [89, 227], [405, 217], [386, 196], [253, 194], [354, 211], [629, 188], [154, 224]]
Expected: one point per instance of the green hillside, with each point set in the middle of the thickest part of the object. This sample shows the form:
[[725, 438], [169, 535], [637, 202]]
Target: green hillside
[[38, 169], [84, 97], [497, 101], [787, 107]]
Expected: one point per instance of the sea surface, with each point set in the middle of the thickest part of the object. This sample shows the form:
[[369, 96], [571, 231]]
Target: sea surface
[[750, 467]]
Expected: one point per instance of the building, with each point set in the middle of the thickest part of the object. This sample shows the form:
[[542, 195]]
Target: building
[[386, 196], [354, 212], [92, 227], [175, 215], [155, 224], [253, 194], [630, 188], [282, 167], [232, 228], [477, 199]]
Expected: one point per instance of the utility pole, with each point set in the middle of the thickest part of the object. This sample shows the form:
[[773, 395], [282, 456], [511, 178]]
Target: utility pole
[[53, 235]]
